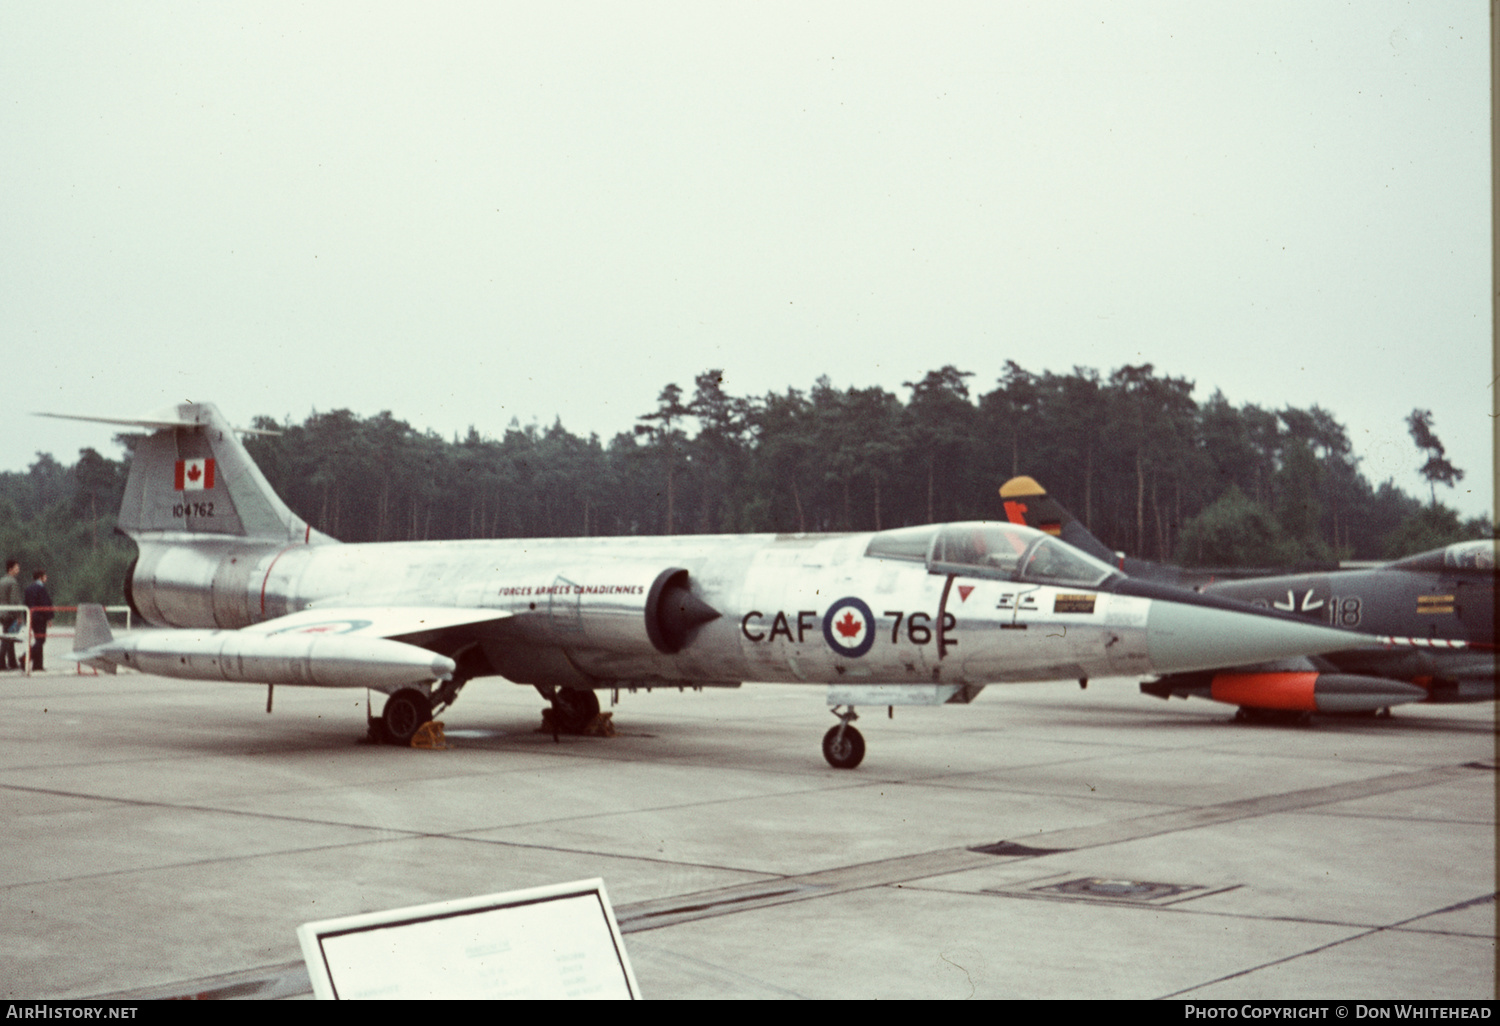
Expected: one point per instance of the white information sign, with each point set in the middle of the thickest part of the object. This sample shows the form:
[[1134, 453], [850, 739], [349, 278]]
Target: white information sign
[[548, 942]]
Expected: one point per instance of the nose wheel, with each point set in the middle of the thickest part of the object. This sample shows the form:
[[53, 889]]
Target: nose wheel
[[843, 746]]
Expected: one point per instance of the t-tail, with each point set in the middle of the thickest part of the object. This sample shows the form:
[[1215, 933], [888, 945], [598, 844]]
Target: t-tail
[[1027, 502], [192, 476], [207, 522]]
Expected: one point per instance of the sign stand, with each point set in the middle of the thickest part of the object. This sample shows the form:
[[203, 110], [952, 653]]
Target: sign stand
[[555, 942]]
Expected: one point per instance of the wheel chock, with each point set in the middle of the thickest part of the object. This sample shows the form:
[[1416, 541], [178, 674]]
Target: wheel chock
[[602, 725], [430, 735]]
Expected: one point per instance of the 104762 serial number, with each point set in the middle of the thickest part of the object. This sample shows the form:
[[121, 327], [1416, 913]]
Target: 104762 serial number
[[193, 509]]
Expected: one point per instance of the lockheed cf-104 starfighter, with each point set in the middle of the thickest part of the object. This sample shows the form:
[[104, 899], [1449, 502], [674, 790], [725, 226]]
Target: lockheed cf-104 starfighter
[[916, 615]]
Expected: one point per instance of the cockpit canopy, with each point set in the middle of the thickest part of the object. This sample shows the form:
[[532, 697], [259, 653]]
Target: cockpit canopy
[[1470, 555], [991, 549]]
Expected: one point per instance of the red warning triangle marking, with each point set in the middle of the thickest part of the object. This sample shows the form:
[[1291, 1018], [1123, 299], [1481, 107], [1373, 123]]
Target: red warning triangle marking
[[963, 592]]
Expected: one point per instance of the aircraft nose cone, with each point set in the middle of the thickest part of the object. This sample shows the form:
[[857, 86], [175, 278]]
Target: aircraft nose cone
[[1182, 636], [443, 667]]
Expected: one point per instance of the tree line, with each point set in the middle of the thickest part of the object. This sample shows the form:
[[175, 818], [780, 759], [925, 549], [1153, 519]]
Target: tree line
[[1146, 467]]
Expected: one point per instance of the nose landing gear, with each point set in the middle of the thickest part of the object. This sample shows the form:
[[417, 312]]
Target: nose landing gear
[[843, 746]]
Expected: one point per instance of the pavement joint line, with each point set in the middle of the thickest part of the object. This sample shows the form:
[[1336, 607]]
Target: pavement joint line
[[285, 979], [1266, 965], [404, 836], [717, 970], [738, 897], [289, 979], [594, 817], [944, 862], [1406, 819], [283, 817], [1443, 933], [1091, 796], [1333, 944], [765, 877], [199, 862], [1245, 808], [148, 804], [1400, 927], [1146, 906]]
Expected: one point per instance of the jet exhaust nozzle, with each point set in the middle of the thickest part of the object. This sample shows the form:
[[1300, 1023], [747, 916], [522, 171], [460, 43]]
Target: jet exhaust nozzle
[[672, 611]]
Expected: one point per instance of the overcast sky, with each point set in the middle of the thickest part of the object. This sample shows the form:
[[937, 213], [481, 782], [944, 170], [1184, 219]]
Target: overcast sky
[[468, 213]]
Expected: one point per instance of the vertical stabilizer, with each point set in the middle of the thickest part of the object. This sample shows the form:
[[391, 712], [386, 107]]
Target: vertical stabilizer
[[191, 475], [1027, 502]]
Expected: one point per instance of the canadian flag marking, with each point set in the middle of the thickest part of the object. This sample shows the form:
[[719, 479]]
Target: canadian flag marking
[[194, 475]]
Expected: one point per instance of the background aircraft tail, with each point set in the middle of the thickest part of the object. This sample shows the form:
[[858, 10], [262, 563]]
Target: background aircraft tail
[[1027, 502], [191, 475]]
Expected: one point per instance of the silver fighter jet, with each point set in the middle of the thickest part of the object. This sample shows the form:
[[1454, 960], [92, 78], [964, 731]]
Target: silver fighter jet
[[918, 615]]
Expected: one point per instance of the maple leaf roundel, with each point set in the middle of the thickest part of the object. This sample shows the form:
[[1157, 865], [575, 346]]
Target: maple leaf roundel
[[849, 627], [326, 627]]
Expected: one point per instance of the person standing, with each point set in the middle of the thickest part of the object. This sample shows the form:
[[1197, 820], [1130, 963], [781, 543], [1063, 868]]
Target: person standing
[[10, 595], [39, 600]]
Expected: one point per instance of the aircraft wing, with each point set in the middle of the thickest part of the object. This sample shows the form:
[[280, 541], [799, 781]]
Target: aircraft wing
[[384, 647], [403, 622]]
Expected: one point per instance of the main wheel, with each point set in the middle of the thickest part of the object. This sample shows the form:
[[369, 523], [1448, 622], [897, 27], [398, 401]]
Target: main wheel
[[405, 712], [843, 752], [574, 708]]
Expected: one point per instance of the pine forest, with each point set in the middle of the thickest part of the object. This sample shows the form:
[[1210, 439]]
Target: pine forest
[[1147, 468]]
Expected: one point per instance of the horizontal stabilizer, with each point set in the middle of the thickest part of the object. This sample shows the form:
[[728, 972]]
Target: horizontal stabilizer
[[92, 627], [164, 420], [92, 630]]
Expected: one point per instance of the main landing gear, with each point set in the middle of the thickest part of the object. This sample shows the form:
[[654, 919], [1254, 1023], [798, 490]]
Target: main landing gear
[[404, 713], [573, 709], [843, 746], [407, 710]]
